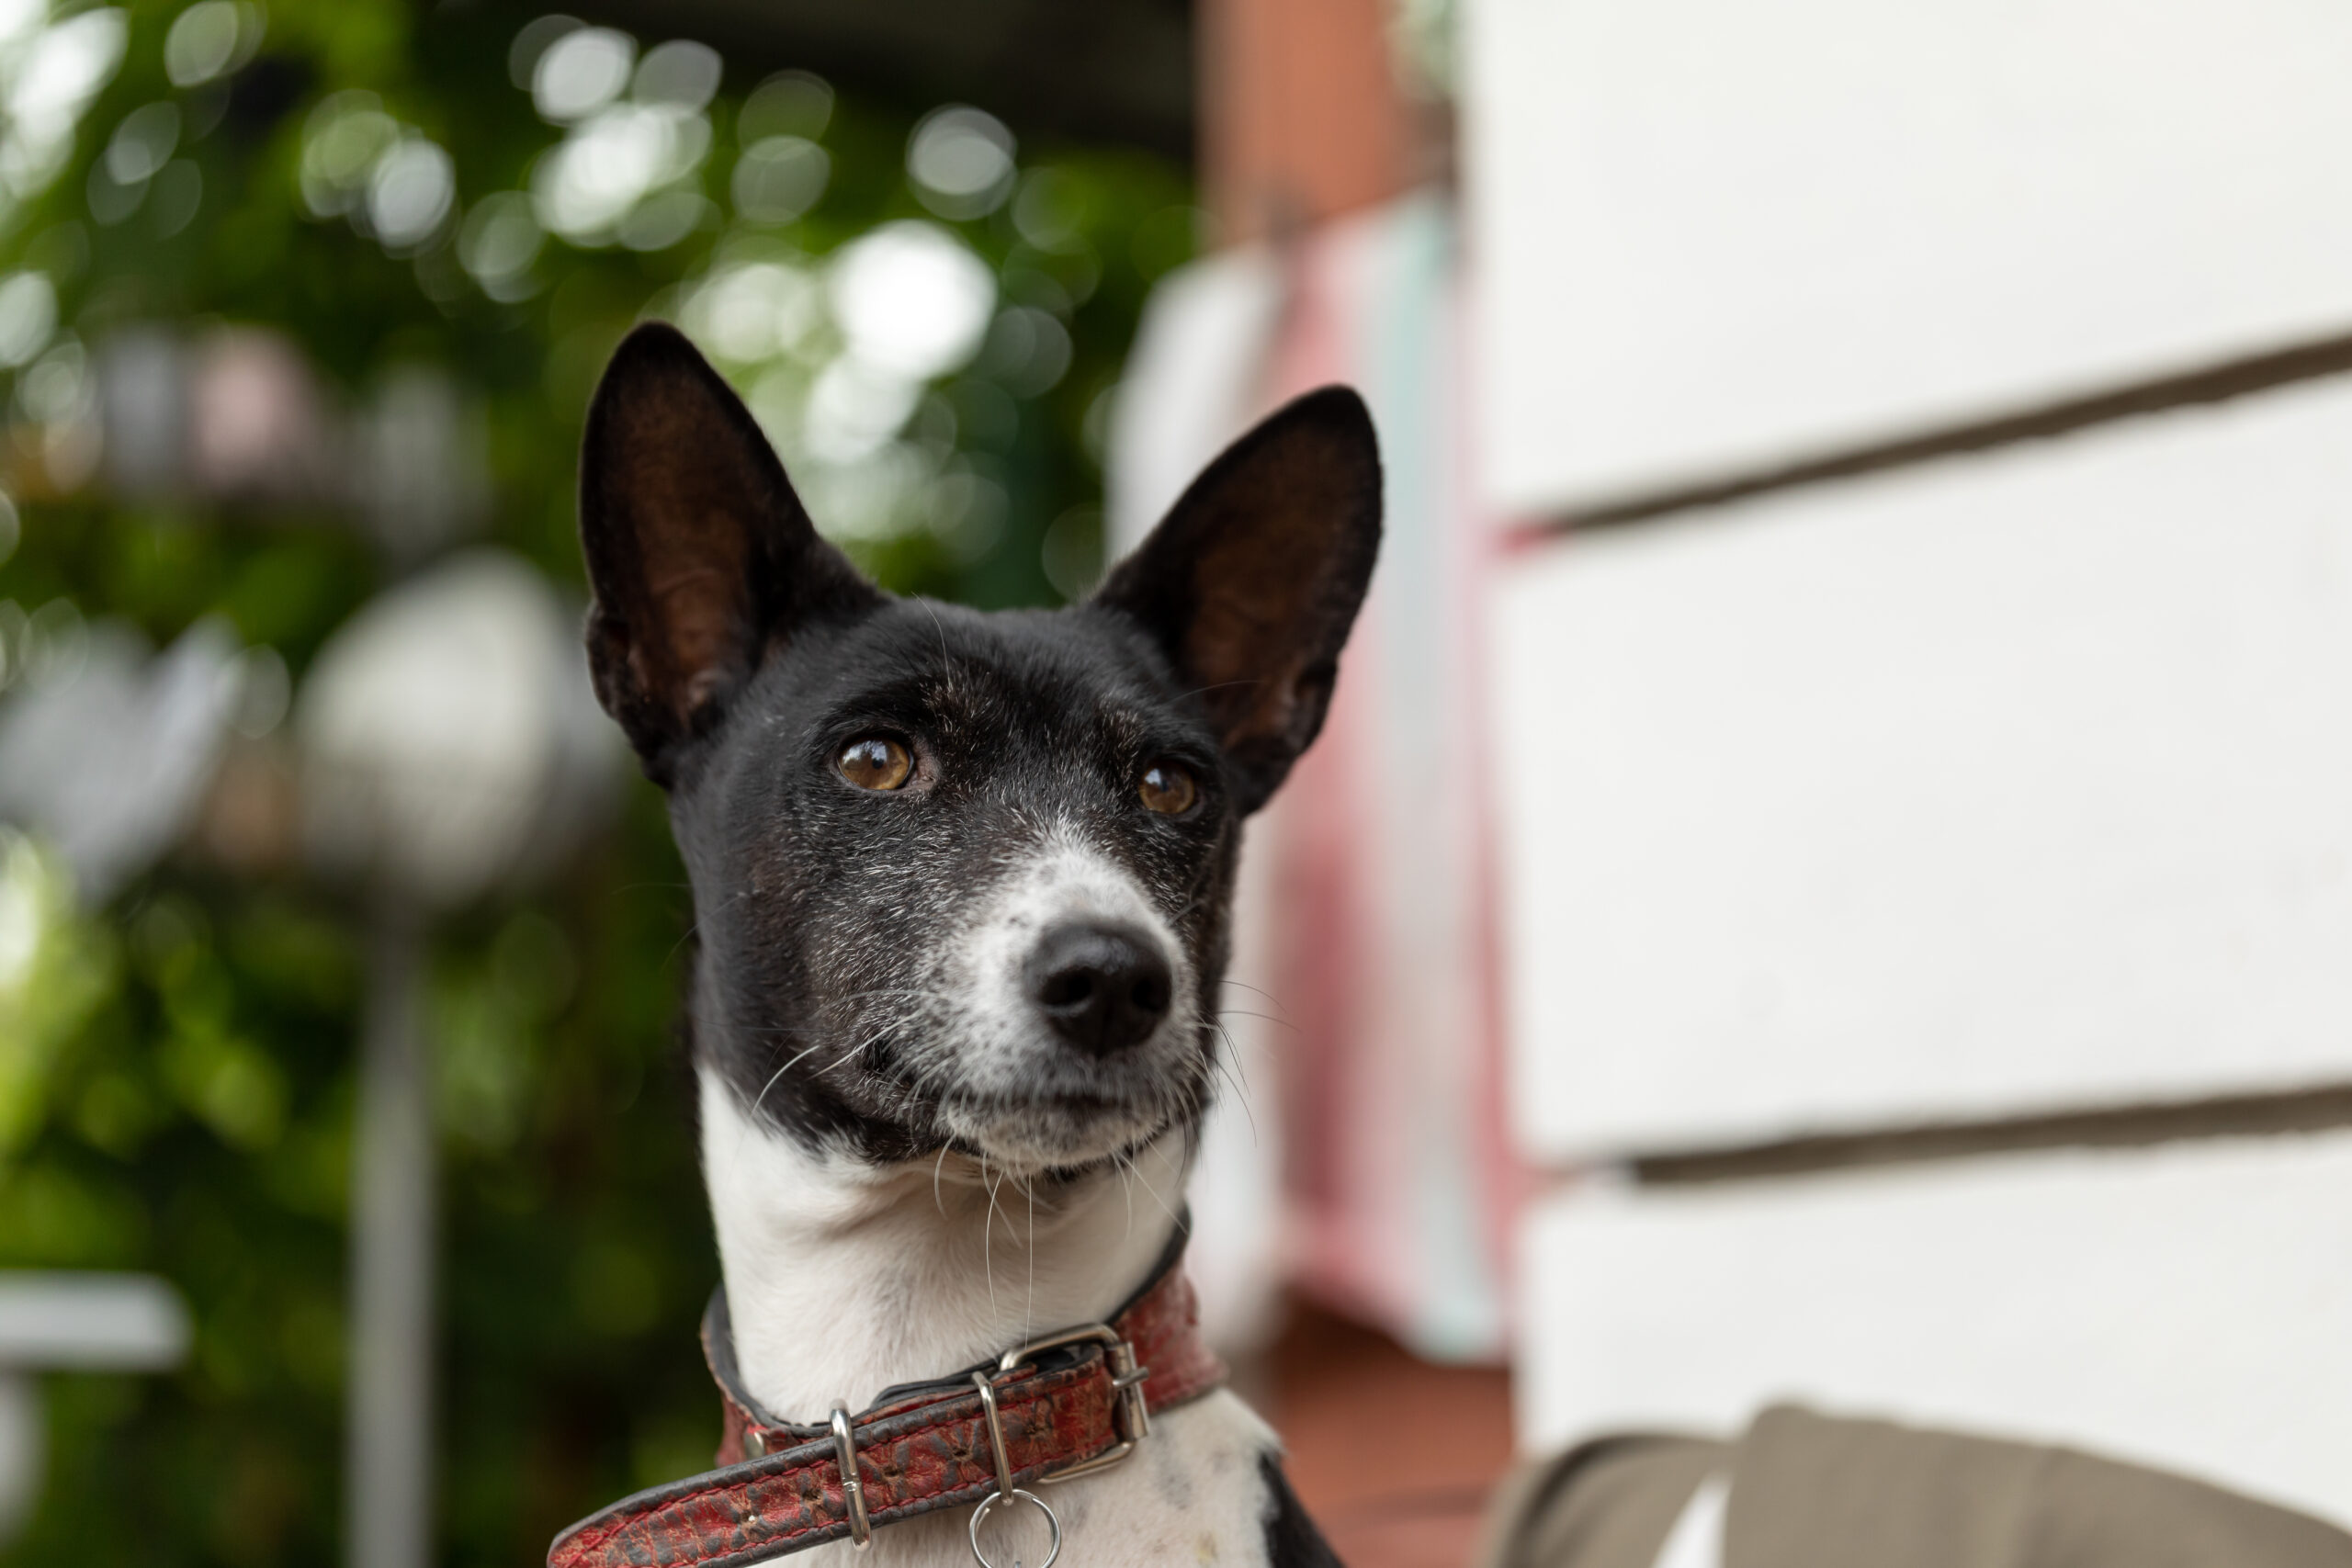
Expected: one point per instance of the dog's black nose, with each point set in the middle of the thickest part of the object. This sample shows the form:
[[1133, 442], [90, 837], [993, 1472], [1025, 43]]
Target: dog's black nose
[[1104, 989]]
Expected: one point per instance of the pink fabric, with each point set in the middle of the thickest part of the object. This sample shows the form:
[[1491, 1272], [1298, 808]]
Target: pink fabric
[[1398, 1176]]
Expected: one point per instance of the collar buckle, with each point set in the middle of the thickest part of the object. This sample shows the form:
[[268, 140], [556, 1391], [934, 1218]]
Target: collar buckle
[[1131, 1417]]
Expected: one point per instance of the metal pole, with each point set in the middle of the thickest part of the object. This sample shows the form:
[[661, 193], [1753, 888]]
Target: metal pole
[[22, 1438], [388, 1503]]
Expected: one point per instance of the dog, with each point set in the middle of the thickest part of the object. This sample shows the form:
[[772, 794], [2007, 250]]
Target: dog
[[962, 887]]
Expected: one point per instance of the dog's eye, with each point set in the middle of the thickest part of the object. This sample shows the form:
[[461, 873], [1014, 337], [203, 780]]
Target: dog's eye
[[876, 761], [1167, 789]]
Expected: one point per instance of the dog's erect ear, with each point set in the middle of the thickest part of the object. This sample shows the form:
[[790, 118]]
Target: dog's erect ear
[[702, 558], [1251, 582]]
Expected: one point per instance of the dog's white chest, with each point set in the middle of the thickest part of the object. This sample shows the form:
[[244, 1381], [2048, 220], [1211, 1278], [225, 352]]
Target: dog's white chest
[[841, 1281]]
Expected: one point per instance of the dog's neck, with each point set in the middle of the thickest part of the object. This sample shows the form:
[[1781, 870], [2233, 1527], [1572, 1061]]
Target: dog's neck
[[844, 1278]]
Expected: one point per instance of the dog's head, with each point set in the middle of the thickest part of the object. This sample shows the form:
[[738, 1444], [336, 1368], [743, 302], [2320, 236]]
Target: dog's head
[[960, 880]]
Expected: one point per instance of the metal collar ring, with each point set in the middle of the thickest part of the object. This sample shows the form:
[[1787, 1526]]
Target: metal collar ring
[[1005, 1489]]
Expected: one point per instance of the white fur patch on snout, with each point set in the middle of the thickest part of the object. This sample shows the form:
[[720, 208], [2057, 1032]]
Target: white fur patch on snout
[[997, 1051]]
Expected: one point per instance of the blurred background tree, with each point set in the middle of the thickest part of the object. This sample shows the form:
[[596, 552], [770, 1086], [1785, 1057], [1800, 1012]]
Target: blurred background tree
[[293, 302]]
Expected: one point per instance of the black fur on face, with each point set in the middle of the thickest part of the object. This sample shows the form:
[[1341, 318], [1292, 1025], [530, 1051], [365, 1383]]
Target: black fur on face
[[1013, 946]]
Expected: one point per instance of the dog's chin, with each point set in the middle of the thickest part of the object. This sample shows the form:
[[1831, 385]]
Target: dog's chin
[[1055, 1133]]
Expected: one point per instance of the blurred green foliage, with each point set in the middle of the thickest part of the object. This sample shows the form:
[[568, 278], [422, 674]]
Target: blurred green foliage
[[175, 1070]]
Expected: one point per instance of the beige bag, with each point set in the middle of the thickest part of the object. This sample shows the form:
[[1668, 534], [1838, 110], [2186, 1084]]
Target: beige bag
[[1805, 1491]]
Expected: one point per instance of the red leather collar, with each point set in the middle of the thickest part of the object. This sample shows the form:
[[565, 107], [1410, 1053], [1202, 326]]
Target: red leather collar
[[779, 1488]]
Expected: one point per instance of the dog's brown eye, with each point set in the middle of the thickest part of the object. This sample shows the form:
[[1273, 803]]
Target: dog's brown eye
[[873, 761], [1167, 789]]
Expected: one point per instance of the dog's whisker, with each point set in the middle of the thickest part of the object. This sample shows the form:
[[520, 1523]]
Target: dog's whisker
[[861, 1045], [1270, 1018], [1221, 685], [1233, 1049], [724, 905], [987, 1233], [987, 1269], [799, 1056], [1242, 1095], [1154, 1192], [1232, 1053], [775, 1076], [1119, 1161]]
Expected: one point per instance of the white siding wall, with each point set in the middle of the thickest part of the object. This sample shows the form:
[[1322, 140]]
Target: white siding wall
[[1987, 786], [2002, 784], [2184, 1307], [1715, 233]]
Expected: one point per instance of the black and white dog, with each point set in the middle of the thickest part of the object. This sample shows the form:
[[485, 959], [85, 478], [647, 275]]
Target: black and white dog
[[962, 886]]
